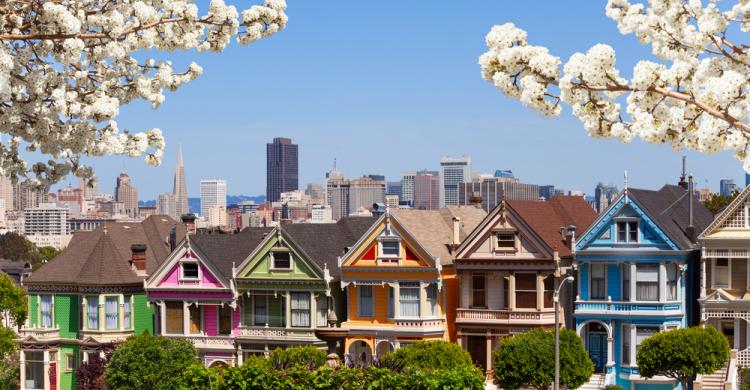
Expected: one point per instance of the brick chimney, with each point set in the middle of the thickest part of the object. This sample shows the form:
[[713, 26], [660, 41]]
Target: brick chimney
[[189, 221], [138, 258]]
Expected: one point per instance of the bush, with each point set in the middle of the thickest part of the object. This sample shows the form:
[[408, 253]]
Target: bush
[[428, 355], [612, 387], [745, 378], [306, 356], [90, 375]]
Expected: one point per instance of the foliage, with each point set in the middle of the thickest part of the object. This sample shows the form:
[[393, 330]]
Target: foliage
[[683, 354], [90, 375], [695, 96], [428, 355], [612, 387], [198, 376], [527, 360], [305, 356], [48, 253], [10, 372], [16, 247], [67, 67], [717, 202], [13, 305], [150, 362], [744, 378]]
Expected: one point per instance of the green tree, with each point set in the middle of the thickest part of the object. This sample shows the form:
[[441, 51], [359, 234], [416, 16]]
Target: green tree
[[48, 253], [306, 356], [683, 354], [717, 202], [428, 355], [527, 360], [150, 362], [14, 246], [12, 304]]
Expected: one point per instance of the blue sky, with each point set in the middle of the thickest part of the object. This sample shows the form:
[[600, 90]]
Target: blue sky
[[389, 86]]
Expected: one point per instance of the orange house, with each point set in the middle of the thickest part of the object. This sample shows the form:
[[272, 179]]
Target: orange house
[[399, 280]]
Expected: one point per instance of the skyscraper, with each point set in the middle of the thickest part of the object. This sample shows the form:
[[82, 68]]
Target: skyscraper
[[407, 187], [604, 194], [452, 172], [166, 204], [213, 193], [127, 194], [726, 187], [282, 168], [179, 190], [6, 191], [426, 190], [494, 190]]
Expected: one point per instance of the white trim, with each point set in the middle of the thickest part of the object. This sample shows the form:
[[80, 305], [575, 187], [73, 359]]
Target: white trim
[[729, 273]]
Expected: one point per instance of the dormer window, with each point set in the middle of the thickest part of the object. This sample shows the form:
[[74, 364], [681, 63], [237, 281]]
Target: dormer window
[[505, 241], [627, 231], [189, 271], [390, 248], [282, 260]]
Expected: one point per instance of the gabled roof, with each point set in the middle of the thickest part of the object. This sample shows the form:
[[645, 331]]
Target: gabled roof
[[101, 257], [223, 250], [727, 212]]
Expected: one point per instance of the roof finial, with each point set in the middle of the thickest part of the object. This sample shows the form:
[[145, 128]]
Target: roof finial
[[625, 176]]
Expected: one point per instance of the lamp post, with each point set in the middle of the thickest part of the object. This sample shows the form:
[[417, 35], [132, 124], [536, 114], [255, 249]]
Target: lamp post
[[556, 300]]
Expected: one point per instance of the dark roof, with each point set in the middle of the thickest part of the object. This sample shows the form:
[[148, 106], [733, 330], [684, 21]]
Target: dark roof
[[101, 257], [546, 218], [669, 208], [325, 242], [223, 250]]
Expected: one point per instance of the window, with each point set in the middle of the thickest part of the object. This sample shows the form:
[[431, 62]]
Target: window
[[190, 270], [721, 273], [432, 299], [478, 290], [365, 301], [46, 311], [391, 302], [390, 248], [282, 260], [626, 282], [627, 231], [647, 282], [225, 320], [672, 275], [549, 290], [505, 241], [300, 309], [525, 290], [260, 306], [69, 362], [194, 311], [126, 312], [506, 287], [598, 281], [34, 366], [626, 344], [174, 317], [321, 305], [642, 333], [111, 314], [92, 312], [408, 299]]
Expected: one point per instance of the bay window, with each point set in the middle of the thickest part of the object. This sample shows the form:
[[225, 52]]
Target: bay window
[[721, 272], [92, 312], [225, 320], [127, 312], [642, 333], [260, 308], [408, 299], [525, 290], [111, 312], [626, 344], [598, 281], [626, 282], [46, 311], [300, 309], [432, 299], [478, 290], [321, 306], [365, 306], [672, 276], [647, 282], [194, 312], [34, 369], [174, 317]]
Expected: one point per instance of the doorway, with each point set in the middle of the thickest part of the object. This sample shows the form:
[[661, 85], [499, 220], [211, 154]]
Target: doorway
[[477, 347], [597, 345]]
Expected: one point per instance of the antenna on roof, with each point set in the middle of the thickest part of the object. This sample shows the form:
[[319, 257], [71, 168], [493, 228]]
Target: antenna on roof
[[625, 177], [682, 183]]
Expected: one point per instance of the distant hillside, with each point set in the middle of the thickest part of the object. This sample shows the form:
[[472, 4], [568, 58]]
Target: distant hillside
[[194, 204]]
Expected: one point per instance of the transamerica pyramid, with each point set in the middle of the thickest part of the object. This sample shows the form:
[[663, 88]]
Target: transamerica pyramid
[[180, 187]]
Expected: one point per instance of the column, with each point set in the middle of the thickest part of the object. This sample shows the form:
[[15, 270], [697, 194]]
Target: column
[[47, 384], [460, 340], [102, 316], [22, 368], [662, 282], [185, 317], [633, 293], [511, 291], [239, 355], [162, 317], [121, 312], [632, 345], [396, 304], [288, 309], [611, 344], [539, 291], [489, 351]]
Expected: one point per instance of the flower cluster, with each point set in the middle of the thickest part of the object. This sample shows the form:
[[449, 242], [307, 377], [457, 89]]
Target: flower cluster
[[698, 101], [66, 67]]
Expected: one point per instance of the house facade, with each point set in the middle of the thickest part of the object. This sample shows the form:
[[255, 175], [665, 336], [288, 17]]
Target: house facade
[[508, 268], [725, 275], [89, 298], [399, 281], [634, 276]]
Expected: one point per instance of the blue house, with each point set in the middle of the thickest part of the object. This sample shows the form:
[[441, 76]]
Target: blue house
[[638, 267]]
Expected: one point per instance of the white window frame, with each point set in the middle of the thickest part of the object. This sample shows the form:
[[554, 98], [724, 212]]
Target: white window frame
[[182, 270], [51, 311], [382, 255], [127, 300], [69, 361], [360, 312], [627, 222], [626, 336], [496, 242], [98, 312], [659, 283], [729, 273], [410, 286], [273, 261], [590, 274], [309, 310], [117, 314]]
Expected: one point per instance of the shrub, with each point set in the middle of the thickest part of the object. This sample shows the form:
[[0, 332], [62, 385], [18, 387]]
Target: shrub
[[428, 355], [306, 356], [90, 375], [612, 387]]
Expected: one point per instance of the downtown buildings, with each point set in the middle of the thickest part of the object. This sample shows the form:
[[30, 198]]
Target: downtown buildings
[[213, 195], [127, 194], [282, 168], [453, 171]]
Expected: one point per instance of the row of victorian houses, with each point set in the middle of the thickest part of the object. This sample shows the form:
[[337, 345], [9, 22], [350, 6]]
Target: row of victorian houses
[[365, 286]]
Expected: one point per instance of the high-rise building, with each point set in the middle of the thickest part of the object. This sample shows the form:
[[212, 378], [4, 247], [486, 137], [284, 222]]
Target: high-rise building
[[393, 188], [217, 216], [6, 191], [89, 187], [376, 177], [213, 193], [604, 194], [747, 179], [71, 198], [407, 187], [127, 194], [494, 190], [452, 172], [364, 192], [282, 168], [726, 187], [337, 193], [166, 204], [426, 190], [47, 225], [179, 189], [316, 193], [391, 201]]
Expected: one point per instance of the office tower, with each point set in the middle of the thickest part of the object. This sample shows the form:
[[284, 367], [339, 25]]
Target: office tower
[[321, 214], [89, 187], [364, 192], [407, 187], [217, 216], [166, 204], [726, 187], [247, 207], [47, 225], [427, 190], [393, 188], [27, 195], [282, 168], [546, 191], [494, 190], [127, 194], [179, 190], [337, 193], [604, 194], [452, 172], [6, 191], [316, 193], [71, 198], [391, 201], [213, 193]]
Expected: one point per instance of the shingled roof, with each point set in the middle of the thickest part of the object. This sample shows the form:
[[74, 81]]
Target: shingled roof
[[101, 257], [546, 218], [223, 250]]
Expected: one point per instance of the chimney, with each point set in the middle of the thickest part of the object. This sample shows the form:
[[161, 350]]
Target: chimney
[[138, 258], [682, 183], [476, 199], [189, 221], [570, 236], [456, 231]]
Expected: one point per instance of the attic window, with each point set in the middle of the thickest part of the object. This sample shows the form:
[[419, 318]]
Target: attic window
[[189, 270], [390, 248], [282, 260], [505, 241], [627, 231]]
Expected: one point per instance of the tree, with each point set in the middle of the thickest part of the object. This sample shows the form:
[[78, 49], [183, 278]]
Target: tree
[[90, 375], [527, 360], [48, 253], [13, 307], [150, 362], [698, 101], [717, 202], [67, 67], [429, 355], [683, 354], [305, 356], [14, 246]]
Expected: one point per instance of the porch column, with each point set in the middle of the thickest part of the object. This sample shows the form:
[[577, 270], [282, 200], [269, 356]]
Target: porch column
[[460, 340], [22, 368], [47, 384], [489, 351], [662, 282], [288, 309], [632, 344], [633, 292], [239, 355], [162, 318], [539, 291], [511, 291], [185, 317], [121, 301], [703, 277], [611, 344]]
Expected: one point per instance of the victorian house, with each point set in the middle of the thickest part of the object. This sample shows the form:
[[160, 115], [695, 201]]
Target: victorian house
[[636, 269], [91, 297], [725, 275], [400, 282], [508, 267]]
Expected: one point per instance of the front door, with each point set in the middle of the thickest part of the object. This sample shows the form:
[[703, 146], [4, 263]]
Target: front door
[[598, 350], [727, 328], [53, 376], [478, 350]]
